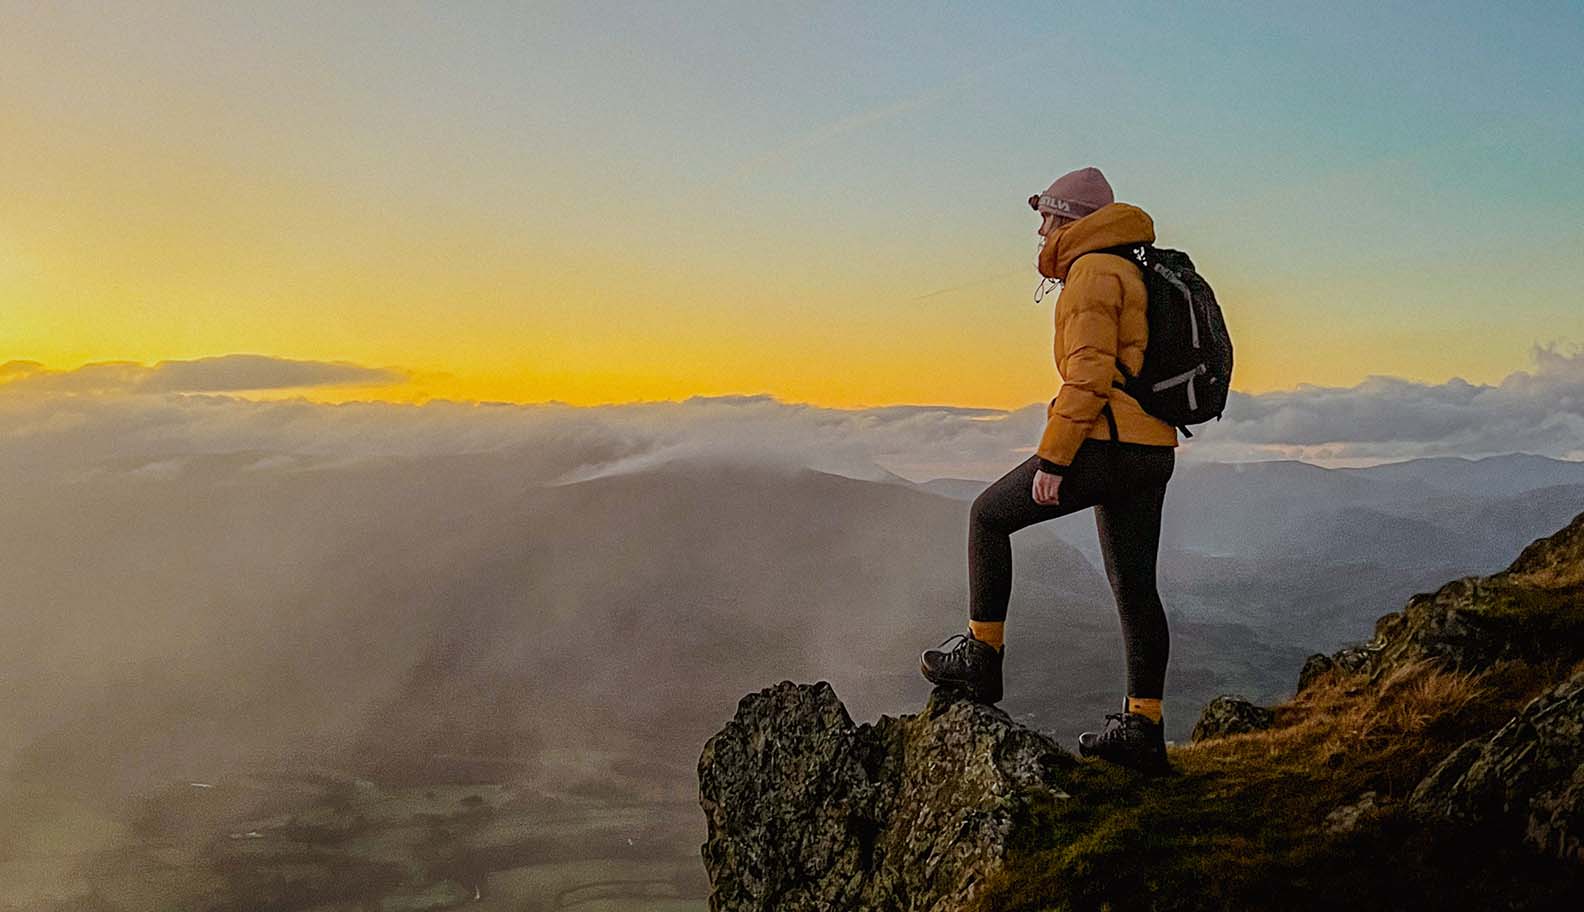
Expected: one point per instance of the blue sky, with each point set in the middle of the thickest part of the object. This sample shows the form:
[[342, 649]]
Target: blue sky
[[824, 202]]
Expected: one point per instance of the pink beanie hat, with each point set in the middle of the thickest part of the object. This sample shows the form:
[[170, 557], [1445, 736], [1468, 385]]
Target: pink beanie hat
[[1074, 195]]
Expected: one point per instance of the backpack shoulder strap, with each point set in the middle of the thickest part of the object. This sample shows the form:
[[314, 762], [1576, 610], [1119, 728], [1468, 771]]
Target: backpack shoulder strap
[[1139, 255]]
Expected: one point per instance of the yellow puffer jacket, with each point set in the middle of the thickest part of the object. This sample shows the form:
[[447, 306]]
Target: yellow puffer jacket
[[1101, 317]]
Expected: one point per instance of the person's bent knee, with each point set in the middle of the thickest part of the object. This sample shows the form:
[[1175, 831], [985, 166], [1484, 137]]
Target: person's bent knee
[[990, 513], [981, 515]]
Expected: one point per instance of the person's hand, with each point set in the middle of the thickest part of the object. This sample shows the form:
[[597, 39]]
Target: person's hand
[[1045, 487]]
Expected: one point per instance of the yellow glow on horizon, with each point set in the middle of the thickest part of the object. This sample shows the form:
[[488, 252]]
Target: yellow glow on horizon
[[152, 260]]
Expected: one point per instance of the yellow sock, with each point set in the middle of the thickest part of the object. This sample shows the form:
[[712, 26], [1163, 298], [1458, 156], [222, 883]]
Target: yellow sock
[[992, 632], [1145, 706]]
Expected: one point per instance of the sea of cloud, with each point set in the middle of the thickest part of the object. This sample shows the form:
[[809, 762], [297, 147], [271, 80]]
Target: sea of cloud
[[125, 416]]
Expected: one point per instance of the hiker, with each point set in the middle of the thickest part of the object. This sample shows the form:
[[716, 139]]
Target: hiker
[[1099, 449]]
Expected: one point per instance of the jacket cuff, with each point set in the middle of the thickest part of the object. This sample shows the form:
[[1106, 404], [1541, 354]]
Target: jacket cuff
[[1047, 466]]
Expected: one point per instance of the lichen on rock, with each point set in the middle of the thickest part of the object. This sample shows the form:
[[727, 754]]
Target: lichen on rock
[[806, 810], [1231, 714], [1419, 770], [1527, 779]]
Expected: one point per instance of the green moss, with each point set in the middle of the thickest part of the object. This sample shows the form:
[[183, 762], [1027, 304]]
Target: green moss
[[1537, 609]]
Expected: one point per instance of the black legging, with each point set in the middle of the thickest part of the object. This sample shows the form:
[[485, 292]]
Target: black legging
[[1127, 498]]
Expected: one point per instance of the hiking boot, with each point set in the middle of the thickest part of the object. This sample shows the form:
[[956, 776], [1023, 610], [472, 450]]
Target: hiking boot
[[972, 664], [1136, 741]]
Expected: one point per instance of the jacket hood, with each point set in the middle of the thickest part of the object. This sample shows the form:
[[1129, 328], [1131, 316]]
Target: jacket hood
[[1108, 226]]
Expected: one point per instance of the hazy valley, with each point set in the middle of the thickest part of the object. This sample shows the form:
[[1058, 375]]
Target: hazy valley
[[220, 646]]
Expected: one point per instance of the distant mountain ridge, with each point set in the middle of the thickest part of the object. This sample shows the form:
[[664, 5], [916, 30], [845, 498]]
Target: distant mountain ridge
[[1511, 473], [1302, 553]]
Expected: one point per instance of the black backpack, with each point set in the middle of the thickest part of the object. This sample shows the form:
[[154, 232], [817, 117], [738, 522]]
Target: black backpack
[[1187, 367]]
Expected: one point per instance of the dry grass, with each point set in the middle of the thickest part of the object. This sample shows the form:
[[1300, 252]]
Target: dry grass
[[1244, 825], [1342, 714]]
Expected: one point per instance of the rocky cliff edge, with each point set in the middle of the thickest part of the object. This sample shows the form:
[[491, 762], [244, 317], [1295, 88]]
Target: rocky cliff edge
[[1438, 766]]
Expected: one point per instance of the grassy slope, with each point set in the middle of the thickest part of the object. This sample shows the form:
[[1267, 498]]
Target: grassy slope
[[1244, 824]]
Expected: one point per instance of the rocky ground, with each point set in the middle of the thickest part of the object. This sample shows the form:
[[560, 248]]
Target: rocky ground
[[1438, 766]]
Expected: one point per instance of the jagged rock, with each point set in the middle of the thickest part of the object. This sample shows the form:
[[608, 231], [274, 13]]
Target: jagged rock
[[1556, 820], [1230, 714], [1351, 659], [1313, 667], [1553, 562], [1346, 818], [807, 811], [1533, 611], [1526, 782]]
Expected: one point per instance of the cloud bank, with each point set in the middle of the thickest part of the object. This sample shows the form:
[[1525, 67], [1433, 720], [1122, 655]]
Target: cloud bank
[[224, 373], [123, 416], [1387, 418]]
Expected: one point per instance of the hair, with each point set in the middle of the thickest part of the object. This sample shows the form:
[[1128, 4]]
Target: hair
[[1056, 220]]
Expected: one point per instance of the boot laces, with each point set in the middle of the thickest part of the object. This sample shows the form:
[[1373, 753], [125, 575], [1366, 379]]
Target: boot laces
[[960, 651], [1113, 732], [955, 636]]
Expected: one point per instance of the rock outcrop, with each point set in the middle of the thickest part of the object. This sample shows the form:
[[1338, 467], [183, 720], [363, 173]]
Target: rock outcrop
[[1527, 780], [1532, 611], [1405, 787], [1230, 714], [1351, 659], [808, 811], [1553, 562]]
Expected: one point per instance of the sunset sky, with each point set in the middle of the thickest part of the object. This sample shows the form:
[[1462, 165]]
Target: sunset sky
[[595, 202]]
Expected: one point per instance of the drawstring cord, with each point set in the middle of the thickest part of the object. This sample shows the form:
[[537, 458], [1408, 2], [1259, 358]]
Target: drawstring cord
[[1042, 289]]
